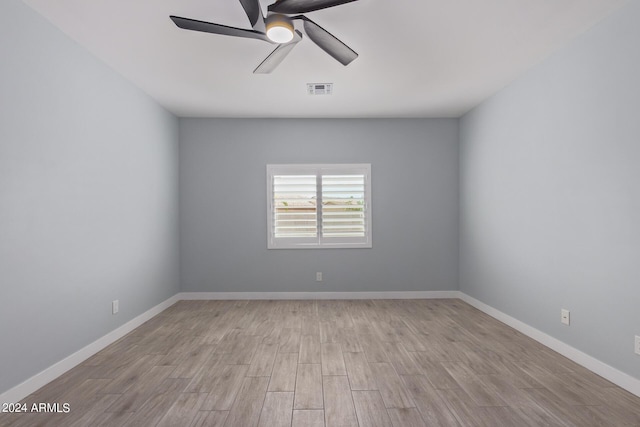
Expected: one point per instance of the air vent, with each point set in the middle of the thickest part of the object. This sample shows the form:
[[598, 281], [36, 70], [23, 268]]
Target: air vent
[[319, 88]]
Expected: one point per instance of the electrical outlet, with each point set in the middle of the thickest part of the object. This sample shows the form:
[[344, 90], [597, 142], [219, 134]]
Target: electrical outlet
[[637, 348], [115, 306], [564, 316], [319, 276]]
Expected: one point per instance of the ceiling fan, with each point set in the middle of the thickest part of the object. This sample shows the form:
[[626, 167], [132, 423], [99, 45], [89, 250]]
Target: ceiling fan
[[278, 28]]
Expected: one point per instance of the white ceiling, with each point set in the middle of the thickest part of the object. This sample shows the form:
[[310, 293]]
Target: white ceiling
[[418, 58]]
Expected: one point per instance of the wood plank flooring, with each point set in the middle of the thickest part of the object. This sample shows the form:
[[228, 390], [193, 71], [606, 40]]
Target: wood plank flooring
[[362, 363]]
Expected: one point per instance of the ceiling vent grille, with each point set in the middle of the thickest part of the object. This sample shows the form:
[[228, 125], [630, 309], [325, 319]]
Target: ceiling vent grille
[[319, 88]]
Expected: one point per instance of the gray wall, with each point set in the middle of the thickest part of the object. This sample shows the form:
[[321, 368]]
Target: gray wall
[[223, 221], [550, 194], [88, 202]]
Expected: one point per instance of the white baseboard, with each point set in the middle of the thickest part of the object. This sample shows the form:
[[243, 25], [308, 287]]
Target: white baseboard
[[27, 387], [610, 373], [317, 295]]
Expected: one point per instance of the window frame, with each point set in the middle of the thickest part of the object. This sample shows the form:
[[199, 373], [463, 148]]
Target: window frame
[[320, 241]]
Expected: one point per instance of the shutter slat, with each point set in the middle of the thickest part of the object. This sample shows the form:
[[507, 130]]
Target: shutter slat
[[290, 205], [301, 216], [343, 208], [355, 214]]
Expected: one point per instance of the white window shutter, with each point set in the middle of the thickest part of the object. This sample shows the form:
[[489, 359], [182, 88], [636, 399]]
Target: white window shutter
[[319, 206], [343, 206], [295, 206]]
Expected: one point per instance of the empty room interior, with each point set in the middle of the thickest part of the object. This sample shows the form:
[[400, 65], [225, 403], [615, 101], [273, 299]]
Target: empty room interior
[[320, 213]]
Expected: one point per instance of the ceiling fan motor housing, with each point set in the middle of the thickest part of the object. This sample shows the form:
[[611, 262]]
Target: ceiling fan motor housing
[[279, 28]]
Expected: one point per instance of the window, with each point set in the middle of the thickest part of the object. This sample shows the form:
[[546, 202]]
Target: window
[[319, 206]]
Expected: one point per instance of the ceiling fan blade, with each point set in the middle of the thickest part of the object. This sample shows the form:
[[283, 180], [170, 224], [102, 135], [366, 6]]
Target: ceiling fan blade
[[275, 58], [254, 13], [328, 42], [209, 27], [304, 6]]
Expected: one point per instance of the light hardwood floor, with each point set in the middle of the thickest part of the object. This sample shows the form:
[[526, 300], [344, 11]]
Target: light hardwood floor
[[329, 363]]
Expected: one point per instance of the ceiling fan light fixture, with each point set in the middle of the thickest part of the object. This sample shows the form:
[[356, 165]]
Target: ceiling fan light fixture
[[279, 28]]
